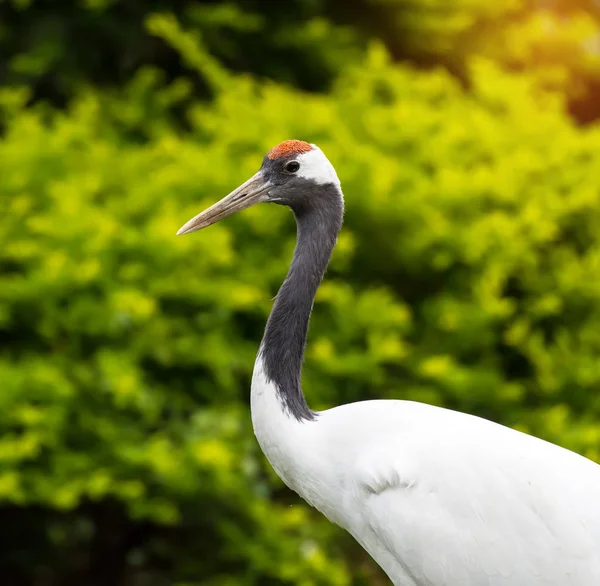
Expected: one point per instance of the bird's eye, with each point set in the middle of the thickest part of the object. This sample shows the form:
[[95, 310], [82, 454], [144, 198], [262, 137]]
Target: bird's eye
[[292, 166]]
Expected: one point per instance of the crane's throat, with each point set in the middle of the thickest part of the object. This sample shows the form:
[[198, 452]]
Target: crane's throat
[[281, 352]]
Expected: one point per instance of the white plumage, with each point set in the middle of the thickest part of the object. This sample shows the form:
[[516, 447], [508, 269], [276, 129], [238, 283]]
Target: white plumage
[[437, 497]]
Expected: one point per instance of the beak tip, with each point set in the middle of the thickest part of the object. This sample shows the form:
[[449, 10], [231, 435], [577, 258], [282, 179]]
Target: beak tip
[[185, 229]]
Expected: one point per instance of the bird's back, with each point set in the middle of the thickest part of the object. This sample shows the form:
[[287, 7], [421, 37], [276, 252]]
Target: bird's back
[[440, 498]]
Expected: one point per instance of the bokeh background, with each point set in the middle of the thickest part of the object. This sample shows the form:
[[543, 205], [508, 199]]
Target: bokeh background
[[467, 139]]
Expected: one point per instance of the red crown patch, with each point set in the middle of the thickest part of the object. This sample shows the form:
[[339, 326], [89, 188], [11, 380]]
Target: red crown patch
[[289, 147]]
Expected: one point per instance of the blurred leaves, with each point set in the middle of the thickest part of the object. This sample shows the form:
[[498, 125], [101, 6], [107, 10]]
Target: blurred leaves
[[48, 46], [467, 275]]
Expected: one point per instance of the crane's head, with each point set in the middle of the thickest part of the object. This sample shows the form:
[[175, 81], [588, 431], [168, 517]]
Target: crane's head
[[293, 174]]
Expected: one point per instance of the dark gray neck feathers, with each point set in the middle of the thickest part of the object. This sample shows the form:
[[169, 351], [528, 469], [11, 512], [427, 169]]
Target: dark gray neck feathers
[[319, 218]]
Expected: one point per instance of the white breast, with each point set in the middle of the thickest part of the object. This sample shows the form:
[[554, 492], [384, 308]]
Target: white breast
[[439, 498], [294, 449], [280, 436]]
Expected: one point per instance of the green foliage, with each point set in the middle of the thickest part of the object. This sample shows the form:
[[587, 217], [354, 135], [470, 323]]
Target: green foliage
[[467, 275], [556, 41], [57, 47]]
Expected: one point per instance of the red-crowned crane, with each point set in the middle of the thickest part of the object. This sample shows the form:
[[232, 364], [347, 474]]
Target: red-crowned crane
[[437, 497]]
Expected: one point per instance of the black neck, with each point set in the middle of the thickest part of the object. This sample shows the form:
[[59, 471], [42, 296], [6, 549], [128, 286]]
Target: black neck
[[318, 221]]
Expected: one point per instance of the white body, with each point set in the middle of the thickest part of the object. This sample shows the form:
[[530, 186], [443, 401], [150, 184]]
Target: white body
[[437, 497]]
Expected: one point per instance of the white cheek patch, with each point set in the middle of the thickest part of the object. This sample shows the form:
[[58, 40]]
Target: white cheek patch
[[314, 166]]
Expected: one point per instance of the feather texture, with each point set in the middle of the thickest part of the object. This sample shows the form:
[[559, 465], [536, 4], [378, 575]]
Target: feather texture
[[441, 498]]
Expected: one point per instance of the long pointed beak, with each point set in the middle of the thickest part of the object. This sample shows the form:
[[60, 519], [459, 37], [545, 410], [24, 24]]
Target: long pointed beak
[[246, 195]]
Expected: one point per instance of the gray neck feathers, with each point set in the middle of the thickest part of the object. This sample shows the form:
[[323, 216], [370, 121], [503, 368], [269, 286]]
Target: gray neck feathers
[[318, 219]]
